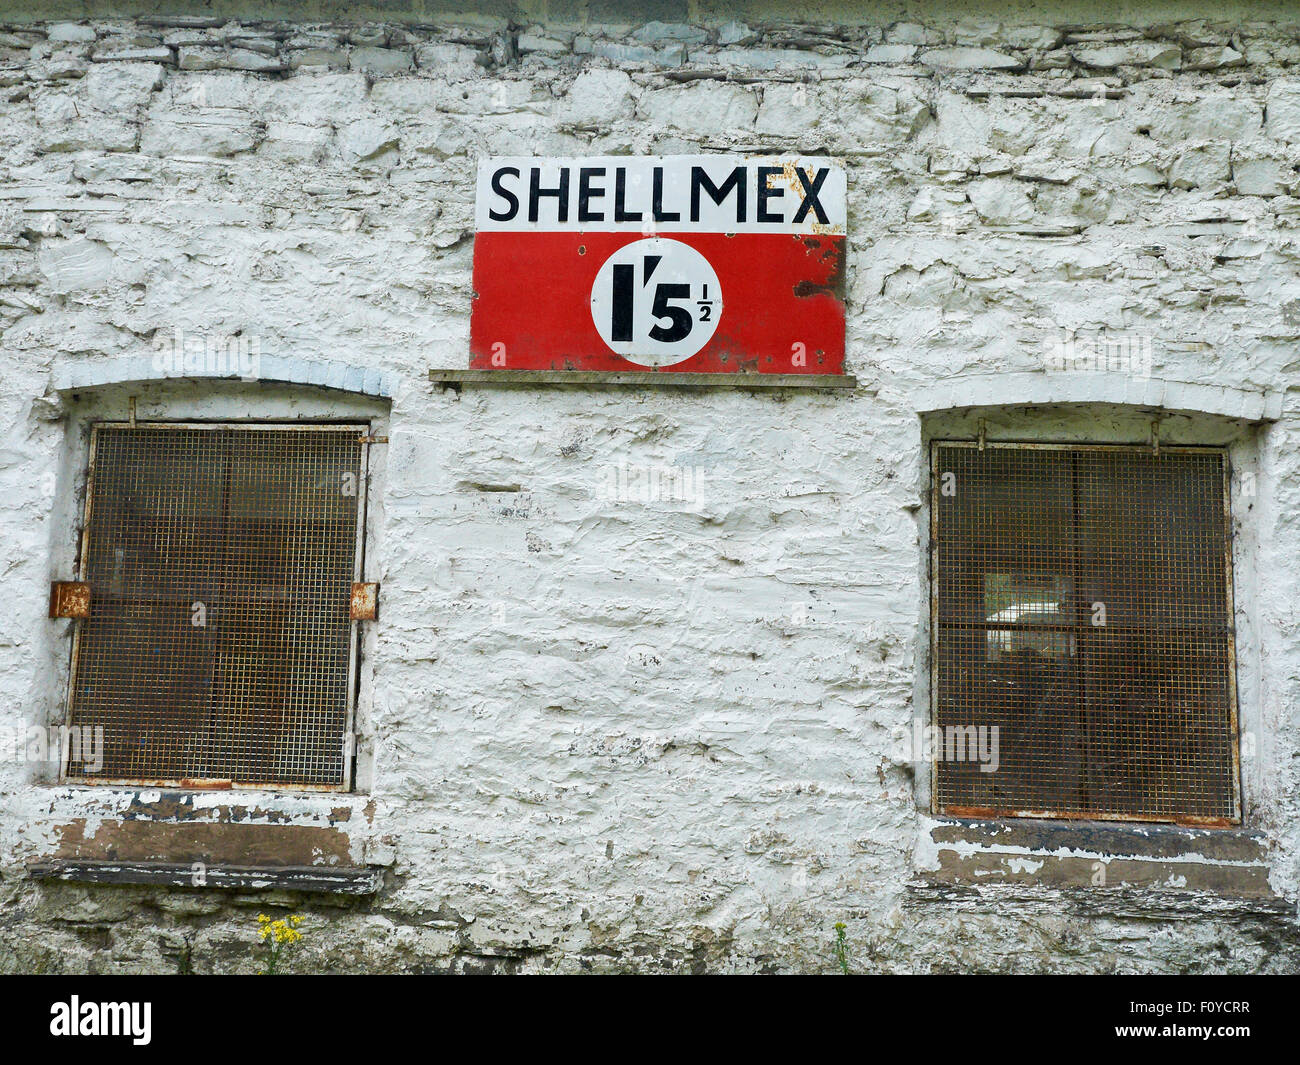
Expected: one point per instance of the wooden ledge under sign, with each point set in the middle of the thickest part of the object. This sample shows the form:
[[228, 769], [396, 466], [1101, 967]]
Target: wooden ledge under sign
[[642, 379]]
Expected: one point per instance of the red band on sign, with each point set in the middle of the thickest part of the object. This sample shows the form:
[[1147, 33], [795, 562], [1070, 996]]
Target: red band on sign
[[776, 306]]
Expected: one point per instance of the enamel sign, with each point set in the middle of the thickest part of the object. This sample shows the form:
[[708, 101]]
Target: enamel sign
[[698, 264]]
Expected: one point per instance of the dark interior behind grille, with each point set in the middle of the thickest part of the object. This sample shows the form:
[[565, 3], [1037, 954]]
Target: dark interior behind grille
[[220, 562], [1083, 606]]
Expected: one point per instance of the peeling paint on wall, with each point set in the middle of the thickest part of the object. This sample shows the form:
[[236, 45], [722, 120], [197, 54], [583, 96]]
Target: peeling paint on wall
[[615, 733]]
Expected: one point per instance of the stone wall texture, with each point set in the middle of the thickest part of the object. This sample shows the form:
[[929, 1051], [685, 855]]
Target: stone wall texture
[[614, 734]]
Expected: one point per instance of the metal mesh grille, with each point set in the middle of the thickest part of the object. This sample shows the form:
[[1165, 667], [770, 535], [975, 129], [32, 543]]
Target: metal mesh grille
[[221, 563], [1083, 608]]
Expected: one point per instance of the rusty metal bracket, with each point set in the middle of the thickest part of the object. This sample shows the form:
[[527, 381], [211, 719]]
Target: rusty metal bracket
[[69, 599], [365, 601]]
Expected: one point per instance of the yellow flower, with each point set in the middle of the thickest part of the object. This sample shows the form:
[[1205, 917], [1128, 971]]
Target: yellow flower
[[278, 934], [282, 931]]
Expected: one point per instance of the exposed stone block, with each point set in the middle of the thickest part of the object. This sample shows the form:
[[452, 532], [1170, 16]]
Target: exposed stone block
[[1161, 54], [1261, 176], [659, 32], [133, 55], [324, 58], [598, 98], [367, 137], [213, 132], [1282, 110], [969, 59], [70, 32], [380, 60], [118, 88], [1213, 58], [450, 59], [736, 33], [1199, 167]]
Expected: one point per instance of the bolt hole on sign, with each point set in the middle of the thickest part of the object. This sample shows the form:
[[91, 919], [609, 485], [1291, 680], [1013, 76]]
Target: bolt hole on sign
[[681, 264]]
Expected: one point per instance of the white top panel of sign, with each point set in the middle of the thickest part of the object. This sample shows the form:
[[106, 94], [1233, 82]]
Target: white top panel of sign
[[672, 194]]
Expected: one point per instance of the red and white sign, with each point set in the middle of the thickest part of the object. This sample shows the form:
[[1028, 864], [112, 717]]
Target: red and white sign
[[696, 264]]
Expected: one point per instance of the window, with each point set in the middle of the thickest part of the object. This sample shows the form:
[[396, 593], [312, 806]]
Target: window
[[220, 560], [1083, 659]]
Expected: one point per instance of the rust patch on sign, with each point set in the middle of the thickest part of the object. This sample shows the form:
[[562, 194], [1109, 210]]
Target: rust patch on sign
[[808, 288], [832, 284]]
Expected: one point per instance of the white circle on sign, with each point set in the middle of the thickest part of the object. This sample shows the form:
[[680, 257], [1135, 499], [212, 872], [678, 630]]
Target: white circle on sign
[[656, 301]]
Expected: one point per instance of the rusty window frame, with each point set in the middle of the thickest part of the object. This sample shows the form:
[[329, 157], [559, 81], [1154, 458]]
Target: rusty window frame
[[362, 430], [1231, 725]]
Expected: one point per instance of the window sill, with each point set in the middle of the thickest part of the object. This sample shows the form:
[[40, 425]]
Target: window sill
[[316, 878], [153, 828], [1030, 853]]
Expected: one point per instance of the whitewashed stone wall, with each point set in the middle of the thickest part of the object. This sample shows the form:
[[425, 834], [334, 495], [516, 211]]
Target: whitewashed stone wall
[[604, 733]]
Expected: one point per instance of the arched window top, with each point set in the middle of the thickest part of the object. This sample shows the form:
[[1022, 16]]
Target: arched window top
[[232, 363]]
